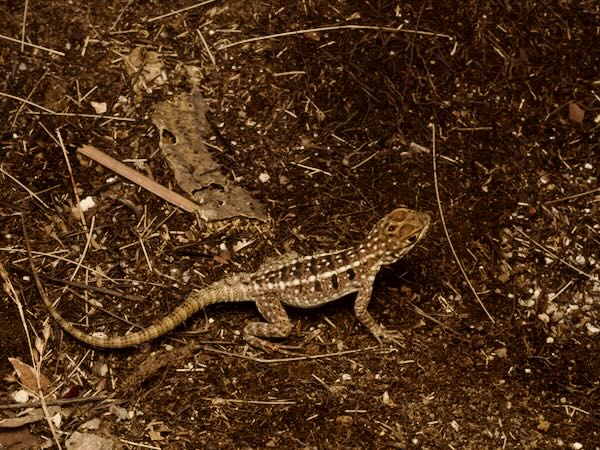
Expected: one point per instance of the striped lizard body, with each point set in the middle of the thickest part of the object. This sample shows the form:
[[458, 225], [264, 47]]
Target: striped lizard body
[[303, 282]]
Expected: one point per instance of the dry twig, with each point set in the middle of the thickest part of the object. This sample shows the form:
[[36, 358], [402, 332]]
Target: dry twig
[[456, 258], [332, 28], [137, 178]]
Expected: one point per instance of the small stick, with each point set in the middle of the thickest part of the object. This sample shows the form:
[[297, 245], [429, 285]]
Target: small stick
[[137, 178], [219, 400], [39, 47], [59, 402], [331, 28], [29, 191], [210, 55], [313, 169], [35, 360], [75, 193], [299, 358], [571, 197], [187, 8], [54, 113], [23, 26]]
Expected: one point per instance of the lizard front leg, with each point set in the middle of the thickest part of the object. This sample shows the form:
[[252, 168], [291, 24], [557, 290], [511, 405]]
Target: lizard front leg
[[277, 325], [382, 334]]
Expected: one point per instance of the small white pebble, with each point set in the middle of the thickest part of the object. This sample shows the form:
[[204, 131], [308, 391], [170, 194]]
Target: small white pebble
[[577, 445], [500, 353], [87, 203], [527, 303], [544, 317], [592, 329], [385, 398], [549, 340], [56, 419], [21, 396], [346, 377], [454, 424], [588, 166], [580, 259], [264, 177], [99, 107]]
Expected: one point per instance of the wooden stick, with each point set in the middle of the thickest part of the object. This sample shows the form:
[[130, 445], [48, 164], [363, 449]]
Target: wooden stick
[[137, 178]]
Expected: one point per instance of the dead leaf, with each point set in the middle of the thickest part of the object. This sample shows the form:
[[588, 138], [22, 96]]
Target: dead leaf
[[183, 129], [87, 440], [146, 69], [33, 416], [18, 439], [576, 113], [27, 376]]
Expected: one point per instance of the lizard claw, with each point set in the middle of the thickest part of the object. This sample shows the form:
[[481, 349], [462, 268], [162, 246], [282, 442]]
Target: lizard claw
[[385, 336]]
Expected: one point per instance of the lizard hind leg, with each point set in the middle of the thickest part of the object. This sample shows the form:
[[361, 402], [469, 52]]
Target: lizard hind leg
[[277, 325]]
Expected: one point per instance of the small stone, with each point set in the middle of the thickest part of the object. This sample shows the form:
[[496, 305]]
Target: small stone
[[87, 203], [592, 329], [21, 396], [543, 425], [345, 421], [501, 352], [99, 107]]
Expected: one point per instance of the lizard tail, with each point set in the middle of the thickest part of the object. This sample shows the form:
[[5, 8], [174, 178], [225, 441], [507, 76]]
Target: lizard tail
[[196, 301]]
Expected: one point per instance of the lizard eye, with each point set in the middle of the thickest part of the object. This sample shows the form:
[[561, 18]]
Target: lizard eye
[[391, 228]]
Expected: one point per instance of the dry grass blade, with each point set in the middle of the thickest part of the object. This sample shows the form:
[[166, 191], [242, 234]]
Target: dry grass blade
[[178, 11], [300, 358], [36, 360], [29, 191], [332, 28], [65, 114], [23, 43], [456, 258], [571, 197]]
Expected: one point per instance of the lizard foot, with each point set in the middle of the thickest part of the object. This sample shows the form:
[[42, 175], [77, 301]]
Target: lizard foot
[[268, 346]]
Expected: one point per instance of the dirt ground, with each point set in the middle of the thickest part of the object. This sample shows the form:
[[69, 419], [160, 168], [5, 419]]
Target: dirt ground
[[329, 129]]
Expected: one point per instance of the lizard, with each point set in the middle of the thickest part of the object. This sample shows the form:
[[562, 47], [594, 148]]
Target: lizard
[[302, 282]]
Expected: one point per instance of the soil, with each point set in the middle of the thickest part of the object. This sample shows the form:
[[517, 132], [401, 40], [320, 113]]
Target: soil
[[330, 129]]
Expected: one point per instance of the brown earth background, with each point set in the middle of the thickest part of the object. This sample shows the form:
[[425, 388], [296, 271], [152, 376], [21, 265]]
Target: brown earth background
[[329, 129]]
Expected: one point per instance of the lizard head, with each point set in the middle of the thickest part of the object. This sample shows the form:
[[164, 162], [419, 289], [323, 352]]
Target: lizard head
[[396, 233]]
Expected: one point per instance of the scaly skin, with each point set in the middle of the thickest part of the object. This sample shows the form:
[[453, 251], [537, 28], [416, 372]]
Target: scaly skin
[[303, 282]]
